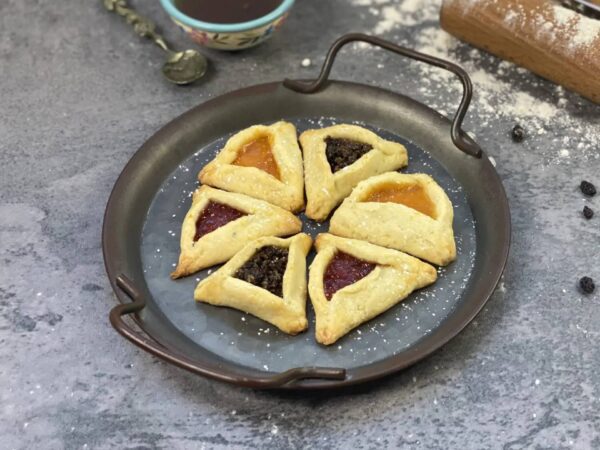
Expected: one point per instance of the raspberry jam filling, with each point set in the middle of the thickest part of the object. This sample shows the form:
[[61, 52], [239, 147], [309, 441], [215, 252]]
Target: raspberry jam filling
[[214, 216], [343, 270], [411, 195], [257, 153]]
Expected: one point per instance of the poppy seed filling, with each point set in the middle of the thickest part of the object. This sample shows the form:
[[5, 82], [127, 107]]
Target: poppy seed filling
[[343, 152], [265, 269]]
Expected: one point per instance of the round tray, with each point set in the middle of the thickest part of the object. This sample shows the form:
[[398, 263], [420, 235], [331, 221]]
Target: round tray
[[152, 195]]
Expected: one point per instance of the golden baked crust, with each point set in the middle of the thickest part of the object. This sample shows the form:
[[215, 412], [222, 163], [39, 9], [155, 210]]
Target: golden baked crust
[[324, 189], [397, 226], [262, 219], [395, 276], [287, 313], [286, 192]]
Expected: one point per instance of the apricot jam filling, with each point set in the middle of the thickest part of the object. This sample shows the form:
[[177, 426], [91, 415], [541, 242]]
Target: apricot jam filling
[[411, 195], [258, 153]]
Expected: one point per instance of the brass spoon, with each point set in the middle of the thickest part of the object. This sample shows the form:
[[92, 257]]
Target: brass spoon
[[181, 67]]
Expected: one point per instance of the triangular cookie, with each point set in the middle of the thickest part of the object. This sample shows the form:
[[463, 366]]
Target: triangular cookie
[[407, 212], [353, 281], [264, 162], [267, 279], [220, 223], [337, 158]]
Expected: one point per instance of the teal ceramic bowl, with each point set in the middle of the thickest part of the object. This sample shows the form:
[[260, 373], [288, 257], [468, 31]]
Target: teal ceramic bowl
[[235, 36]]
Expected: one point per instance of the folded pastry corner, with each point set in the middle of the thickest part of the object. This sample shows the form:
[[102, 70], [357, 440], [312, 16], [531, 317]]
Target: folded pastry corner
[[267, 279], [352, 281], [337, 158], [220, 223], [407, 212], [264, 162]]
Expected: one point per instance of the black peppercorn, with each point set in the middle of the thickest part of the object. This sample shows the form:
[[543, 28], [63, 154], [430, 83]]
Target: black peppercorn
[[587, 285], [588, 213], [587, 188], [518, 134]]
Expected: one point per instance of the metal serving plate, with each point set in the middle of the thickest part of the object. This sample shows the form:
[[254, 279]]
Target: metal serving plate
[[152, 195]]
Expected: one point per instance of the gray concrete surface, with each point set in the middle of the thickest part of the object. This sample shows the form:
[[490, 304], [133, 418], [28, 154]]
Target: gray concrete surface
[[79, 94]]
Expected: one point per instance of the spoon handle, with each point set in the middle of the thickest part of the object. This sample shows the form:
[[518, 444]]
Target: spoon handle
[[142, 26]]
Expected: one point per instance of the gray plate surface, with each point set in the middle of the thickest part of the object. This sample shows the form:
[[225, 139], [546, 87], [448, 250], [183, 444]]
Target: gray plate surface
[[248, 341], [150, 198]]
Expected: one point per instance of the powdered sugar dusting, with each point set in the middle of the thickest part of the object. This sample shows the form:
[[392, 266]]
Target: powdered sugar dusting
[[390, 17], [566, 26], [552, 21], [587, 32], [511, 17], [391, 14], [496, 95], [563, 16]]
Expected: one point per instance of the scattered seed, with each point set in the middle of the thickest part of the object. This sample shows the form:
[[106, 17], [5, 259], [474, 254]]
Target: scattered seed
[[587, 285], [518, 133], [587, 188], [588, 213]]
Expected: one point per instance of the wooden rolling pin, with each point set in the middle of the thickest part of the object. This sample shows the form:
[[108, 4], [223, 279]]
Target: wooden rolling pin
[[548, 39]]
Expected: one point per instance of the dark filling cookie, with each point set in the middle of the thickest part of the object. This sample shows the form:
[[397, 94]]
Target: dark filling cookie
[[343, 152], [266, 269]]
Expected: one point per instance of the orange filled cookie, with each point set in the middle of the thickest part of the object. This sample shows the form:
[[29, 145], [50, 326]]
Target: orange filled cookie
[[263, 162], [407, 212]]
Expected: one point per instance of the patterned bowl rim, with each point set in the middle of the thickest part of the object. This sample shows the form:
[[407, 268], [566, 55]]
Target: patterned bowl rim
[[171, 9]]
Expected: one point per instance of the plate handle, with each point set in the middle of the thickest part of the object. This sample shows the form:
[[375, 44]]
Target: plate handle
[[261, 382], [461, 139]]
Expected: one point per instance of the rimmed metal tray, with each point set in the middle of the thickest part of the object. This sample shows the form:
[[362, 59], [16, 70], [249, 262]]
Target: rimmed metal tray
[[145, 210]]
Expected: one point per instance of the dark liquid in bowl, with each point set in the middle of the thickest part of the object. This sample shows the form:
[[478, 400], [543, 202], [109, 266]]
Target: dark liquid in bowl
[[226, 11]]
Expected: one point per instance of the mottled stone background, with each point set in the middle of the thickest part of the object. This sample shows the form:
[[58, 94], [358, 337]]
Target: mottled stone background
[[79, 94]]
